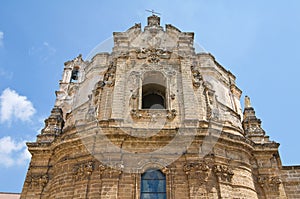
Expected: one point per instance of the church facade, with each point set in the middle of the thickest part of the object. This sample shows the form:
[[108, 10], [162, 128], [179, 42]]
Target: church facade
[[153, 119]]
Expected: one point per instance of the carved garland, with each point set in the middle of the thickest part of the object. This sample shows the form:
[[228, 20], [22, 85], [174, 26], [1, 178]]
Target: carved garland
[[153, 55]]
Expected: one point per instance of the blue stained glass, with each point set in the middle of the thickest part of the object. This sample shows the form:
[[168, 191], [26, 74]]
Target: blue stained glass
[[153, 196], [153, 185], [153, 175]]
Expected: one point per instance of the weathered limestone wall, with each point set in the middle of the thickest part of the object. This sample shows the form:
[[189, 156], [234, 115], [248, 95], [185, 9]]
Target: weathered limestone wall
[[67, 168], [291, 181]]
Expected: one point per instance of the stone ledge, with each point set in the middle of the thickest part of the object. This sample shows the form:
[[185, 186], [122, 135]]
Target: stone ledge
[[294, 167]]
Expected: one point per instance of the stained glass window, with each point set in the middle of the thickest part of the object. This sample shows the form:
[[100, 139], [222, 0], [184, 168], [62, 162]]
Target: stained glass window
[[153, 185]]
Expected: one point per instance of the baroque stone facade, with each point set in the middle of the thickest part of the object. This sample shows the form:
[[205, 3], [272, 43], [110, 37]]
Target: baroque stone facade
[[154, 104]]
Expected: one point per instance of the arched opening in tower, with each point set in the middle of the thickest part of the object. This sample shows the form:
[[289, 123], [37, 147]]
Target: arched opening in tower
[[153, 96]]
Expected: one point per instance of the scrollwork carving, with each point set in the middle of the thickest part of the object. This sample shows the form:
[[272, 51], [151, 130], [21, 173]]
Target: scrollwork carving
[[109, 76], [197, 77], [198, 170], [108, 172], [269, 183], [38, 181], [83, 171], [223, 172], [153, 115], [153, 55]]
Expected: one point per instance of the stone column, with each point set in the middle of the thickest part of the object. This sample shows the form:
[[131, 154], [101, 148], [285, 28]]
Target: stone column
[[118, 102], [189, 99]]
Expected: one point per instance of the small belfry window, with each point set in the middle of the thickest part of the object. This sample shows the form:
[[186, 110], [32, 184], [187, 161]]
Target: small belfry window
[[153, 96], [74, 75], [153, 185], [154, 91]]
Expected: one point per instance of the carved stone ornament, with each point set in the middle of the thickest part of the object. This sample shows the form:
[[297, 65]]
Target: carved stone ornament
[[251, 124], [153, 20], [135, 114], [195, 166], [166, 170], [152, 114], [83, 171], [172, 96], [109, 76], [197, 77], [134, 96], [153, 55], [110, 173], [223, 172], [38, 181], [171, 114], [199, 170], [213, 112], [269, 183], [102, 168]]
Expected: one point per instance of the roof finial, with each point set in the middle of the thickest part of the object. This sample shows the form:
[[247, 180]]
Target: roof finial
[[247, 102], [153, 12]]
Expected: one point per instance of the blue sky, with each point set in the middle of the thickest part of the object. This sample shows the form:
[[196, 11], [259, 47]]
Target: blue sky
[[258, 41]]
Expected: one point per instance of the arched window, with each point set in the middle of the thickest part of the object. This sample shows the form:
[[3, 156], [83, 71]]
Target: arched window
[[153, 185], [153, 96], [74, 75], [154, 91]]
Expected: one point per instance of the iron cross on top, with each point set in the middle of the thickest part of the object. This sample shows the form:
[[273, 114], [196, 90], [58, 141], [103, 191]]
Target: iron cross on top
[[153, 12]]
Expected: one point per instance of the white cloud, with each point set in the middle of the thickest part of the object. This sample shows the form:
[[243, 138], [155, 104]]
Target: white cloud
[[12, 152], [14, 106], [1, 38]]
